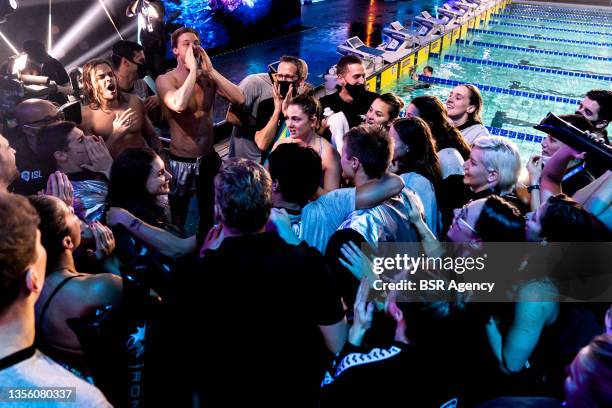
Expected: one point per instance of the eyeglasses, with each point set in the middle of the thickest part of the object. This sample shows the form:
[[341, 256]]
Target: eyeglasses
[[290, 78], [462, 219], [47, 120]]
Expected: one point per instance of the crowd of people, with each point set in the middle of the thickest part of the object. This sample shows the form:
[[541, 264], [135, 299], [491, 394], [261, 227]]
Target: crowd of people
[[271, 297]]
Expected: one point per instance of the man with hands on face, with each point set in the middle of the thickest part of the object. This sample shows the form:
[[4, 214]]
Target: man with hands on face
[[260, 121], [187, 94], [119, 118], [84, 162]]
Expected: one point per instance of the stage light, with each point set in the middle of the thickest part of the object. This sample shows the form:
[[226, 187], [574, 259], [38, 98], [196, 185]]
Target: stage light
[[102, 47], [9, 43], [7, 7], [17, 63], [88, 22]]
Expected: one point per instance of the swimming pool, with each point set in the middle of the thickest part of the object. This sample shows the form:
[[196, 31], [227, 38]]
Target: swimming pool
[[550, 22], [523, 72], [526, 56]]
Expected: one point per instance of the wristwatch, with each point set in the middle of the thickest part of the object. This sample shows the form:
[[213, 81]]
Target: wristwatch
[[533, 187]]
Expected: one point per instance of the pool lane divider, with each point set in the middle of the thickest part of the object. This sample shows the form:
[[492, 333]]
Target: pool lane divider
[[562, 15], [527, 68], [511, 134], [548, 9], [499, 90], [534, 37], [534, 50], [545, 20], [529, 27]]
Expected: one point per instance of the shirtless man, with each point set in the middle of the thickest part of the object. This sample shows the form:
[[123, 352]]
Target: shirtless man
[[187, 94], [119, 118]]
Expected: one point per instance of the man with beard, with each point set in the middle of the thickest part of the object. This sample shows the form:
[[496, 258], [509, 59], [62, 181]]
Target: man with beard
[[8, 170], [119, 118], [130, 67], [187, 94], [352, 100]]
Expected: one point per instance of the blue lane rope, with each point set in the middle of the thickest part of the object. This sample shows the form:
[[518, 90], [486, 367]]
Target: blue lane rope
[[545, 20], [543, 14], [533, 37], [528, 68], [511, 134], [535, 50], [496, 89], [547, 9], [567, 30]]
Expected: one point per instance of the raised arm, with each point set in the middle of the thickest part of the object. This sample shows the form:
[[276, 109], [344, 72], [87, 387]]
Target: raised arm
[[552, 174], [265, 136], [375, 192], [177, 99], [161, 241], [513, 351]]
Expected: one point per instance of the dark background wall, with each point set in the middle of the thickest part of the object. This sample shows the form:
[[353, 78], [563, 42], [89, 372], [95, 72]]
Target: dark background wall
[[87, 31]]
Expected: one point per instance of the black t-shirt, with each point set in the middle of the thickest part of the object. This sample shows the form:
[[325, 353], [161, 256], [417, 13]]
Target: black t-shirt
[[54, 69], [33, 171], [257, 302], [352, 111]]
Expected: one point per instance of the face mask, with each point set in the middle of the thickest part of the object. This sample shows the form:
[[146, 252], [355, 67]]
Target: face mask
[[284, 88], [143, 70], [355, 90]]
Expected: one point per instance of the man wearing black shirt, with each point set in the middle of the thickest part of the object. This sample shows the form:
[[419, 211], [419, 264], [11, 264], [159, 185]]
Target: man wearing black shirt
[[257, 300], [51, 68], [352, 99]]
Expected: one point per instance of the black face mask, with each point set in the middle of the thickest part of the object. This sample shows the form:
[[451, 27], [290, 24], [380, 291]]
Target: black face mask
[[143, 69], [284, 88], [355, 90]]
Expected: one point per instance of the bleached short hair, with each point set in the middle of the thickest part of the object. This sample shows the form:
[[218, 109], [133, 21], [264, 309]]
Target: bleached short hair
[[501, 155]]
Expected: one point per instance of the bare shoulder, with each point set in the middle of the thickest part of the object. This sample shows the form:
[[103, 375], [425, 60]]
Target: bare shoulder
[[166, 81], [103, 288], [134, 101], [328, 151]]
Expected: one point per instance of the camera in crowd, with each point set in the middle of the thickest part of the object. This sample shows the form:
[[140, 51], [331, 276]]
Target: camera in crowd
[[581, 141], [20, 79]]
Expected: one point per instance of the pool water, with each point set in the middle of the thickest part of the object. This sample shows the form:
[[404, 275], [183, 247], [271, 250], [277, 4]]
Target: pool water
[[526, 28], [504, 110], [540, 60], [545, 44], [553, 23]]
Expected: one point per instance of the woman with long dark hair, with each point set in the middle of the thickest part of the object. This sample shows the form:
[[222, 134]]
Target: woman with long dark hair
[[68, 293], [415, 160], [452, 149], [138, 183]]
